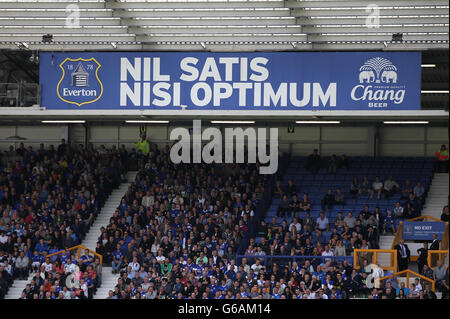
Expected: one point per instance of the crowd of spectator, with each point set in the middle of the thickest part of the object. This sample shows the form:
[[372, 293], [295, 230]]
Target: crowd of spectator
[[177, 230], [49, 197]]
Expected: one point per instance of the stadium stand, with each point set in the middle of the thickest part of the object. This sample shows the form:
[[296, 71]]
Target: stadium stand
[[197, 232], [48, 200]]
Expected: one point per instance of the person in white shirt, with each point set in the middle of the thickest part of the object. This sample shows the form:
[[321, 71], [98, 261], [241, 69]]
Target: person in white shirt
[[390, 187], [47, 265], [257, 266], [298, 226], [377, 187], [135, 266], [398, 210], [327, 253], [418, 285]]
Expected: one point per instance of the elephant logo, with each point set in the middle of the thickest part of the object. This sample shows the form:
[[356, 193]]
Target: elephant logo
[[378, 70], [389, 76], [366, 76]]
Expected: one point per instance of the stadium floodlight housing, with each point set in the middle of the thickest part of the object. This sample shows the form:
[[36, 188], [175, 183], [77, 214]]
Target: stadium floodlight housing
[[63, 121], [147, 121], [318, 122], [232, 122], [406, 122], [47, 38], [397, 37], [428, 65]]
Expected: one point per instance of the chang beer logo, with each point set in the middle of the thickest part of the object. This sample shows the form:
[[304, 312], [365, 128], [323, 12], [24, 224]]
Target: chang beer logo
[[378, 86], [378, 70], [79, 83]]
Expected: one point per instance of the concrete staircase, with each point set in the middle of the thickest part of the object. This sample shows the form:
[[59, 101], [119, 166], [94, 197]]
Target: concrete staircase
[[437, 196], [109, 280], [15, 291], [385, 243], [90, 241]]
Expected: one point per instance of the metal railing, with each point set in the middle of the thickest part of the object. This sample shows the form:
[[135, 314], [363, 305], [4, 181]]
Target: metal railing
[[372, 256], [78, 249], [409, 273], [19, 94]]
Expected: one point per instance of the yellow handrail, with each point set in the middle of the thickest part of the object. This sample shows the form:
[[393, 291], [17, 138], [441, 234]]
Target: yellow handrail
[[409, 272], [435, 252], [444, 241], [79, 248], [426, 217], [398, 235], [375, 252]]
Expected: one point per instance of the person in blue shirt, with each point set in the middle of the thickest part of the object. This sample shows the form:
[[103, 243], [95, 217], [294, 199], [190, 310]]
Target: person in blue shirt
[[117, 260], [41, 246], [275, 294]]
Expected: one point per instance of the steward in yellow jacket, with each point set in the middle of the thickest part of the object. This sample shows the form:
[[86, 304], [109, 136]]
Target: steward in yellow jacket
[[143, 145]]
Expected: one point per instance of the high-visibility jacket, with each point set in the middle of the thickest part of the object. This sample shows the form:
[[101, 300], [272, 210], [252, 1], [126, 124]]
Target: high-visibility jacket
[[442, 155], [143, 146]]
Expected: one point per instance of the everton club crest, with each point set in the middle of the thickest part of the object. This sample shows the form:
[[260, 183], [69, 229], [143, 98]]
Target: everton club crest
[[80, 83]]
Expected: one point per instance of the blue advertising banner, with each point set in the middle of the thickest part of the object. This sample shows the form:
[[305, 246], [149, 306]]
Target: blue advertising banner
[[231, 81], [422, 230]]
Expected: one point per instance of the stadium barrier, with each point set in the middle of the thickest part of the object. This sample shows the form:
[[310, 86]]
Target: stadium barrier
[[78, 250], [409, 274], [435, 255], [315, 260], [373, 257]]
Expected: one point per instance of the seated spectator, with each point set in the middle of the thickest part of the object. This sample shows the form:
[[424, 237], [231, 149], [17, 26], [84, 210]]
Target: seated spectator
[[339, 198], [439, 274], [365, 212], [333, 165], [388, 223], [419, 192], [402, 290], [313, 163], [407, 188], [328, 200], [415, 203], [355, 188], [294, 205], [305, 204], [377, 187], [284, 208], [343, 162], [390, 187], [322, 222], [339, 249], [444, 216], [278, 189], [398, 210], [291, 190], [350, 221]]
